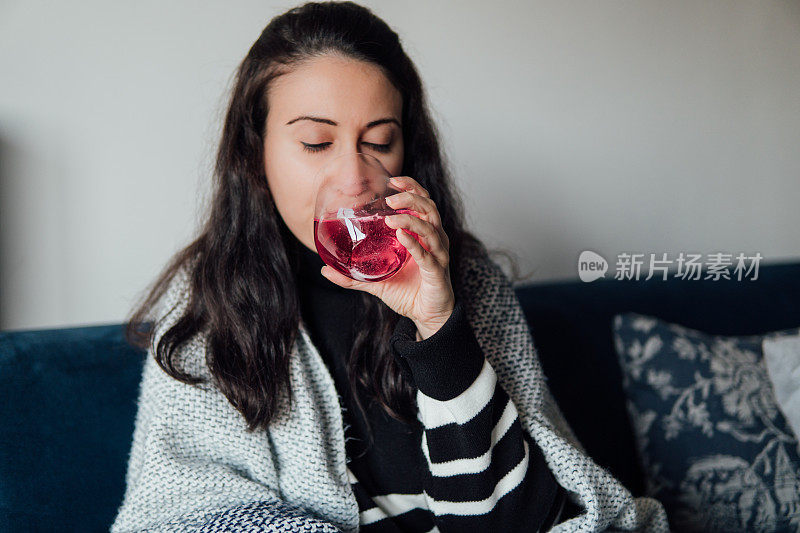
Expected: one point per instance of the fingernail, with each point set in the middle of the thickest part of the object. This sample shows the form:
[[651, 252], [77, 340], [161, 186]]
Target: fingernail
[[390, 200]]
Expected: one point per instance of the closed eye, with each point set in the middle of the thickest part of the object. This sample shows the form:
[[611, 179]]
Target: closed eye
[[383, 148]]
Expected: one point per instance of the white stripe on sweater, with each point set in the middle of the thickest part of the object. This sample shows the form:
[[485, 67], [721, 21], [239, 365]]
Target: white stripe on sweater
[[472, 465], [461, 409], [397, 504], [506, 484], [392, 505]]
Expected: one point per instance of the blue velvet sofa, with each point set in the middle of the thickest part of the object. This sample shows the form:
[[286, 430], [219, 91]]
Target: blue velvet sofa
[[68, 396]]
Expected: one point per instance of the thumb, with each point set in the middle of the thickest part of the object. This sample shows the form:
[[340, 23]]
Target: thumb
[[336, 277]]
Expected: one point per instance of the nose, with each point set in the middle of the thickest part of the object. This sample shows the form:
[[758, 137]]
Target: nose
[[354, 170]]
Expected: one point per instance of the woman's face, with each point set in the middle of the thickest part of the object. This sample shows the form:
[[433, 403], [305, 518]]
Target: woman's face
[[339, 97]]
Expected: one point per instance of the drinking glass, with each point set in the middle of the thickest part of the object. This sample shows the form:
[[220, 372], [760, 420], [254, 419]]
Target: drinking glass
[[349, 229]]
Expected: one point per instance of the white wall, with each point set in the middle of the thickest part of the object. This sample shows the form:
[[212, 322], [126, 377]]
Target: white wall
[[612, 126]]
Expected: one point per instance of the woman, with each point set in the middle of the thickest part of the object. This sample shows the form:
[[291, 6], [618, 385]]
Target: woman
[[279, 394]]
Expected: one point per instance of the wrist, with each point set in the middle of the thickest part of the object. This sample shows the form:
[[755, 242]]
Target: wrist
[[430, 327], [443, 365], [424, 332]]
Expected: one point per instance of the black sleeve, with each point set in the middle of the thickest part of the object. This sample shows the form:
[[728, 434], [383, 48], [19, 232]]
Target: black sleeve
[[485, 472]]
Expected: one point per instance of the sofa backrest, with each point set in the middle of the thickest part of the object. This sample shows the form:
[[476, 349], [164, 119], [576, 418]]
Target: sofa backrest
[[571, 323], [67, 406]]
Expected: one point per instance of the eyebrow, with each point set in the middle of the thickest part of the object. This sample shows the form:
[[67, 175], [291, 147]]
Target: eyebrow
[[333, 123]]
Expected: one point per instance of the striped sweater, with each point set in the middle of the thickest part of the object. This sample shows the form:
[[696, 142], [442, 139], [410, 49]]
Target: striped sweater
[[193, 465], [399, 471], [482, 472]]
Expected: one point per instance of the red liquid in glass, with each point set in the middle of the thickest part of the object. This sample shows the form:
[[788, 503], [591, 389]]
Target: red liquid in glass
[[362, 246]]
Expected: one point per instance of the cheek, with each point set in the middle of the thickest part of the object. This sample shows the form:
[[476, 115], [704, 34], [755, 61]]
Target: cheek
[[279, 169], [397, 162], [290, 183], [291, 189]]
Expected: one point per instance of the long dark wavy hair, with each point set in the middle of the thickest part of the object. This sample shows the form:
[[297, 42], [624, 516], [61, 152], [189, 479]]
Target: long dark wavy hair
[[243, 289]]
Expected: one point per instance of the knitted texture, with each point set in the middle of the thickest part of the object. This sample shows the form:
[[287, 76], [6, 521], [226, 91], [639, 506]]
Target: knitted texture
[[500, 326], [193, 465]]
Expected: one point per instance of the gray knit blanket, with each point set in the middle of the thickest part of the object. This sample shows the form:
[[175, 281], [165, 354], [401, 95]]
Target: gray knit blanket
[[194, 467]]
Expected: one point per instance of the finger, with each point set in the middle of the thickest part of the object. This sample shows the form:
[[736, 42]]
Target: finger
[[423, 257], [408, 183], [430, 236], [422, 205], [334, 276]]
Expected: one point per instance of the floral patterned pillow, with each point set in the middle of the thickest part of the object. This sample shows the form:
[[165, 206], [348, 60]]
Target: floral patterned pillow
[[714, 445]]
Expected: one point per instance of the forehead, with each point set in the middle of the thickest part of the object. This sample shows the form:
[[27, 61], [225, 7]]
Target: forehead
[[338, 88]]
